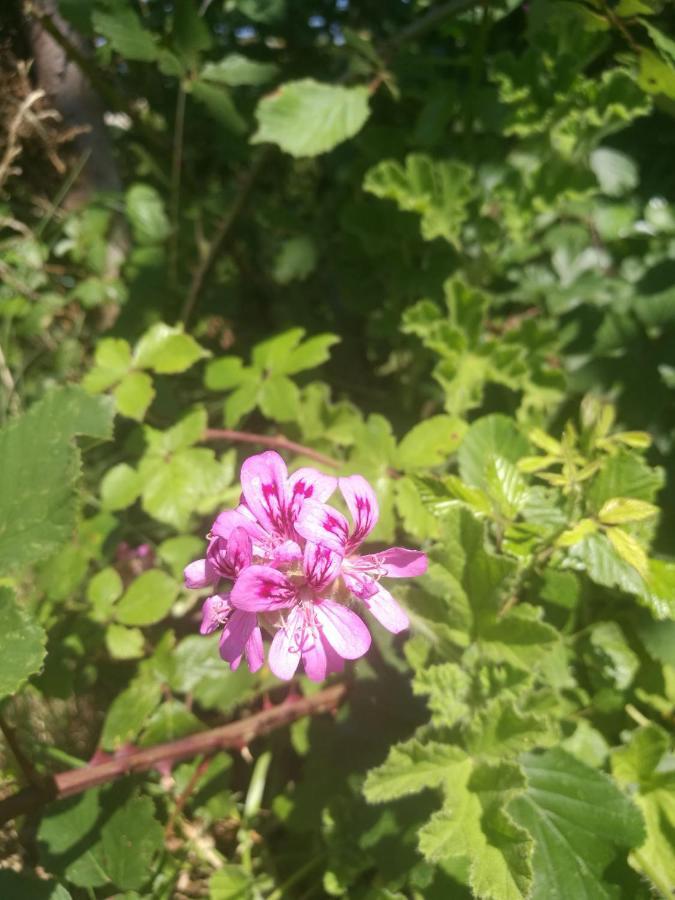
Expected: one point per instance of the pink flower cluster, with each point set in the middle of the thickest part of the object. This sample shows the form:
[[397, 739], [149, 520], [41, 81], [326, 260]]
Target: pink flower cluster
[[293, 564]]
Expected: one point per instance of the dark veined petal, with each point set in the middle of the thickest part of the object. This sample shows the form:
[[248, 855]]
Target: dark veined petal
[[399, 562], [321, 565], [322, 524], [262, 588], [264, 486], [362, 504]]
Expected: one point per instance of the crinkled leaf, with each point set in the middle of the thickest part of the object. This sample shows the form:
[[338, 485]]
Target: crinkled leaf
[[412, 767], [22, 644]]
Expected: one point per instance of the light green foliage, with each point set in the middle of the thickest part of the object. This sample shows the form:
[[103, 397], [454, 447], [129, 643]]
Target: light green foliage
[[266, 382], [306, 118], [462, 219]]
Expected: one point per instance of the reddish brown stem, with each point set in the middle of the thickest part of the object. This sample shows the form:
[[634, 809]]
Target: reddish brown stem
[[278, 441], [233, 735]]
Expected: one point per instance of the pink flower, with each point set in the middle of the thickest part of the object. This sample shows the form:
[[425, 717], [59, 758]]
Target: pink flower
[[317, 630], [361, 574], [290, 557]]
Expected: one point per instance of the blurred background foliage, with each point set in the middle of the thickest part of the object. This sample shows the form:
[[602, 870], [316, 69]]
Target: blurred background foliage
[[434, 242]]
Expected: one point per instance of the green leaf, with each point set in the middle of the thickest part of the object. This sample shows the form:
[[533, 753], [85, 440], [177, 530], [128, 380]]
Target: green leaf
[[147, 599], [200, 671], [172, 720], [14, 886], [130, 839], [66, 842], [620, 510], [167, 350], [146, 214], [310, 354], [655, 75], [411, 767], [438, 191], [295, 261], [487, 438], [102, 591], [230, 883], [578, 818], [624, 475], [22, 644], [659, 592], [124, 643], [612, 657], [39, 471], [129, 712], [240, 402], [628, 548], [225, 373], [173, 488], [271, 355], [639, 764], [120, 487], [616, 173], [306, 118], [120, 25], [474, 825], [236, 70], [112, 362], [134, 394], [217, 100], [177, 552], [190, 33], [280, 399], [187, 431], [430, 442], [604, 565]]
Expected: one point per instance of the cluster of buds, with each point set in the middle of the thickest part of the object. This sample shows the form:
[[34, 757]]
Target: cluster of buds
[[286, 563]]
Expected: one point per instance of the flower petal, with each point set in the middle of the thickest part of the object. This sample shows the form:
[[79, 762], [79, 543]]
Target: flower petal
[[255, 654], [284, 654], [235, 636], [398, 562], [343, 629], [387, 611], [320, 564], [307, 484], [360, 584], [287, 552], [263, 484], [314, 655], [322, 524], [199, 574], [334, 662], [230, 519], [215, 610], [362, 504], [261, 588]]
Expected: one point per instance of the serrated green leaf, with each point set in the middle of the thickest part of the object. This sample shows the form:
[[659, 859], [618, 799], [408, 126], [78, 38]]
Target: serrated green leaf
[[146, 214], [240, 402], [613, 658], [120, 487], [130, 839], [411, 767], [306, 118], [578, 818], [217, 100], [172, 720], [102, 591], [173, 489], [438, 191], [39, 469], [190, 33], [147, 599], [271, 355], [134, 394], [200, 671], [22, 644], [230, 883], [578, 532]]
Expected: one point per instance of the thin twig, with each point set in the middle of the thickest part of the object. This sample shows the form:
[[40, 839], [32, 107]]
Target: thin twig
[[176, 165], [425, 23], [277, 441], [233, 735], [221, 233], [184, 796]]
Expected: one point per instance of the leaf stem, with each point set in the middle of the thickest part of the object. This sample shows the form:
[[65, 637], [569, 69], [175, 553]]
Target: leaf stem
[[276, 441], [230, 736]]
